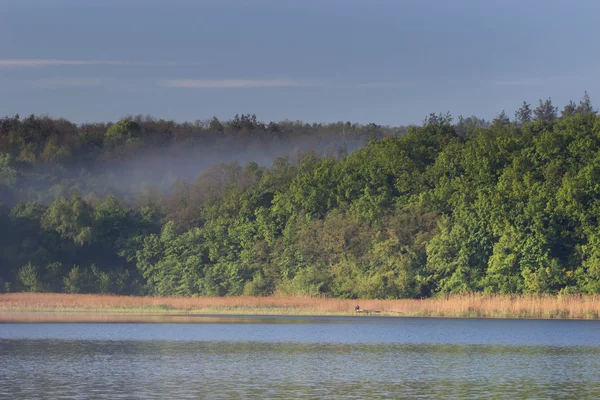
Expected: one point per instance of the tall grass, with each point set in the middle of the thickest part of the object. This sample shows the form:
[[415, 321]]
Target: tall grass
[[468, 305]]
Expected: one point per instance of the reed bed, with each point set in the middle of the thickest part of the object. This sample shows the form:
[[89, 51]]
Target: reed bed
[[467, 305]]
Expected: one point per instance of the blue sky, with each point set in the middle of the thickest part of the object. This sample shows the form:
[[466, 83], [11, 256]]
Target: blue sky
[[390, 62]]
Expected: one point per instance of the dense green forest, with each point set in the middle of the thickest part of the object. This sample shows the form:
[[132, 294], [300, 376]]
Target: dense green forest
[[146, 206]]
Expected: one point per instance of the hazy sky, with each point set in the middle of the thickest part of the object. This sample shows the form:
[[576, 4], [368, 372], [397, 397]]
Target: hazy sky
[[389, 62]]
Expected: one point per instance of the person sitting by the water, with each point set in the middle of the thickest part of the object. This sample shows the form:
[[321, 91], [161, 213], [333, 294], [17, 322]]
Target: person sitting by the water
[[357, 309]]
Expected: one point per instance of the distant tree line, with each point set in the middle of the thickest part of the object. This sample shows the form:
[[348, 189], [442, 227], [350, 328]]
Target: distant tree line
[[507, 206]]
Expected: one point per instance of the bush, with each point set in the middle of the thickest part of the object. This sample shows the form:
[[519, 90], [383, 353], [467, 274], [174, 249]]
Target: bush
[[30, 278]]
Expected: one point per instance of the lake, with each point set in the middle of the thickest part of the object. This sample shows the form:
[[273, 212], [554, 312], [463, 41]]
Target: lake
[[301, 357]]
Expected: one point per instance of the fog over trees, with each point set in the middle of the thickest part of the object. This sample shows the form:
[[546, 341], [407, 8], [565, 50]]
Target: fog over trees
[[146, 206]]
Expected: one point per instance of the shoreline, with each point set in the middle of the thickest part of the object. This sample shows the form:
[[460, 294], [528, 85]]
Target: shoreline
[[71, 307], [204, 316]]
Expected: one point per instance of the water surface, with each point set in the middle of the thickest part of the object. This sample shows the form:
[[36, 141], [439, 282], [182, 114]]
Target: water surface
[[301, 357]]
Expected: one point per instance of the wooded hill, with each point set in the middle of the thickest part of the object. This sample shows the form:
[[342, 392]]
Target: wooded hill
[[503, 207]]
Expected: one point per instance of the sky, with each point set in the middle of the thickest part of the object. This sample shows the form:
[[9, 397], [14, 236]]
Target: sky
[[390, 62]]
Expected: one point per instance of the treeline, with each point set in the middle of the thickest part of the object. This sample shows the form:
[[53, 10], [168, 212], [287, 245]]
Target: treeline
[[43, 159], [502, 207]]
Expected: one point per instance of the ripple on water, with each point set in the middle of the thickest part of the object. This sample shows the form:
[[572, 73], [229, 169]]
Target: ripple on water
[[380, 358]]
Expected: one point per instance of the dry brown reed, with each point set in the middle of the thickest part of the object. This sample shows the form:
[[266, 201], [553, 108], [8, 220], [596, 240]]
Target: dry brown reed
[[467, 305]]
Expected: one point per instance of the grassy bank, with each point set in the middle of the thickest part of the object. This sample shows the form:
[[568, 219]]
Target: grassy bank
[[472, 305]]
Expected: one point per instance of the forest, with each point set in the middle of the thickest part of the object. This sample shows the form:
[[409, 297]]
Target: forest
[[242, 207]]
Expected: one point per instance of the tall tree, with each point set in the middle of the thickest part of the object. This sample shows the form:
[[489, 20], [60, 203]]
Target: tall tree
[[523, 114], [501, 119], [585, 105], [545, 111]]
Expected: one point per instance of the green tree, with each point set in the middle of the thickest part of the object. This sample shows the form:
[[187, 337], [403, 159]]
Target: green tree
[[121, 132], [524, 114], [71, 218], [545, 111], [30, 278]]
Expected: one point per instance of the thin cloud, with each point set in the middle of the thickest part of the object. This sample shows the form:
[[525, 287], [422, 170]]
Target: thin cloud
[[376, 85], [272, 83], [232, 83]]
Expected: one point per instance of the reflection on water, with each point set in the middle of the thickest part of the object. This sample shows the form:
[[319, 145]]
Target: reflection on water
[[27, 316], [349, 358]]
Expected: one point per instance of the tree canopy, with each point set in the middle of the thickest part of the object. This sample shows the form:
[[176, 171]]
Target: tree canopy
[[501, 207]]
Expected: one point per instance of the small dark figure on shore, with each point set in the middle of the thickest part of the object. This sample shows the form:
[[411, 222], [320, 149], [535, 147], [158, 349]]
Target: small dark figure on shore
[[357, 309]]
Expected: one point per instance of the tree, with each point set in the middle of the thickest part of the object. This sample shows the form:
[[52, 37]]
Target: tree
[[523, 114], [7, 173], [215, 125], [172, 263], [503, 272], [54, 153], [585, 105], [74, 281], [111, 221], [71, 218], [465, 127], [438, 119], [30, 278], [545, 111], [501, 119], [121, 132], [569, 110]]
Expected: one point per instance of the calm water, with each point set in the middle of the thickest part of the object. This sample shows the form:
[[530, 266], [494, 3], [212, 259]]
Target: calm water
[[304, 357]]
